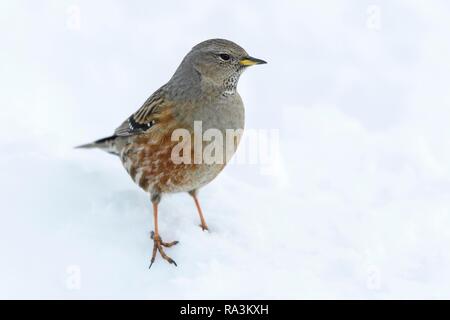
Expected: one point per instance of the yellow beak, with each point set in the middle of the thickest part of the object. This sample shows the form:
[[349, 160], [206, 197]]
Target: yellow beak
[[250, 61]]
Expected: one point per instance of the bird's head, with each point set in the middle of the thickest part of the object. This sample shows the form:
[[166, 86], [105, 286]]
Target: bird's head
[[220, 62]]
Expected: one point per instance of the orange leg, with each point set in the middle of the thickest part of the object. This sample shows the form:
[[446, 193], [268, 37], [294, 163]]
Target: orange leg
[[158, 244], [203, 224]]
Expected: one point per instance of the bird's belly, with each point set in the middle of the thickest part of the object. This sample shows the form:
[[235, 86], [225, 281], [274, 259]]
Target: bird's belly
[[149, 158], [151, 166]]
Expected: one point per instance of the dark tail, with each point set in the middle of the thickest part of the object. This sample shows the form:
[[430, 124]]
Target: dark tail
[[107, 144]]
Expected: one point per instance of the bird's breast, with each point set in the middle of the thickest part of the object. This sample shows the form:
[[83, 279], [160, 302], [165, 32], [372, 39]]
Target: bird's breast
[[168, 160], [223, 113]]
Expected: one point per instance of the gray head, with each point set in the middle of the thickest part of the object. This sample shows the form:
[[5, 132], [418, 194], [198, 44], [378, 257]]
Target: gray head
[[218, 62]]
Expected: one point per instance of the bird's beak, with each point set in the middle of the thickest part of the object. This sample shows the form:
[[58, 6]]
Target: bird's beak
[[250, 61]]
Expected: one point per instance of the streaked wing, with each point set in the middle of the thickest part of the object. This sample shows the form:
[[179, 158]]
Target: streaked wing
[[145, 117]]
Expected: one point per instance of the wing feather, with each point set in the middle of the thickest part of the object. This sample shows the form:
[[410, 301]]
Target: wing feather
[[147, 115]]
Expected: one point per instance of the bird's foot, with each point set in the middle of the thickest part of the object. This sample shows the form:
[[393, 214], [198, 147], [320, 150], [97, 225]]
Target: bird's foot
[[204, 227], [158, 245]]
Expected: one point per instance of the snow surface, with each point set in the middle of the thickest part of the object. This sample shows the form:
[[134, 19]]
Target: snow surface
[[359, 206]]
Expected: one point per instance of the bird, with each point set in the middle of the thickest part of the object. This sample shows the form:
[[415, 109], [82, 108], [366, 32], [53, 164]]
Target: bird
[[203, 90]]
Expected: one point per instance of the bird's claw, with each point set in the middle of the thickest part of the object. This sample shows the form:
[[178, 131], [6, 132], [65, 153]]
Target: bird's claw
[[158, 245]]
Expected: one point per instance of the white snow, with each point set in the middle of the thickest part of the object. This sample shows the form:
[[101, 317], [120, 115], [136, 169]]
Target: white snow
[[357, 205]]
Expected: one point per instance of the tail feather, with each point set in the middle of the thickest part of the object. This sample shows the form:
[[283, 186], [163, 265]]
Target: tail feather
[[107, 144]]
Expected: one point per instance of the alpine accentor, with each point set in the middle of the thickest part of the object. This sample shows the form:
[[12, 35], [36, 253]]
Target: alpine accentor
[[202, 91]]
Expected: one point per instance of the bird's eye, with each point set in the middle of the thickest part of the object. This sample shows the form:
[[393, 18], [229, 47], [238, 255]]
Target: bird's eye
[[224, 56]]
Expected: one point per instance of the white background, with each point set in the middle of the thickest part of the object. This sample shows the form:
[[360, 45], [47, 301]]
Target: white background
[[359, 206]]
